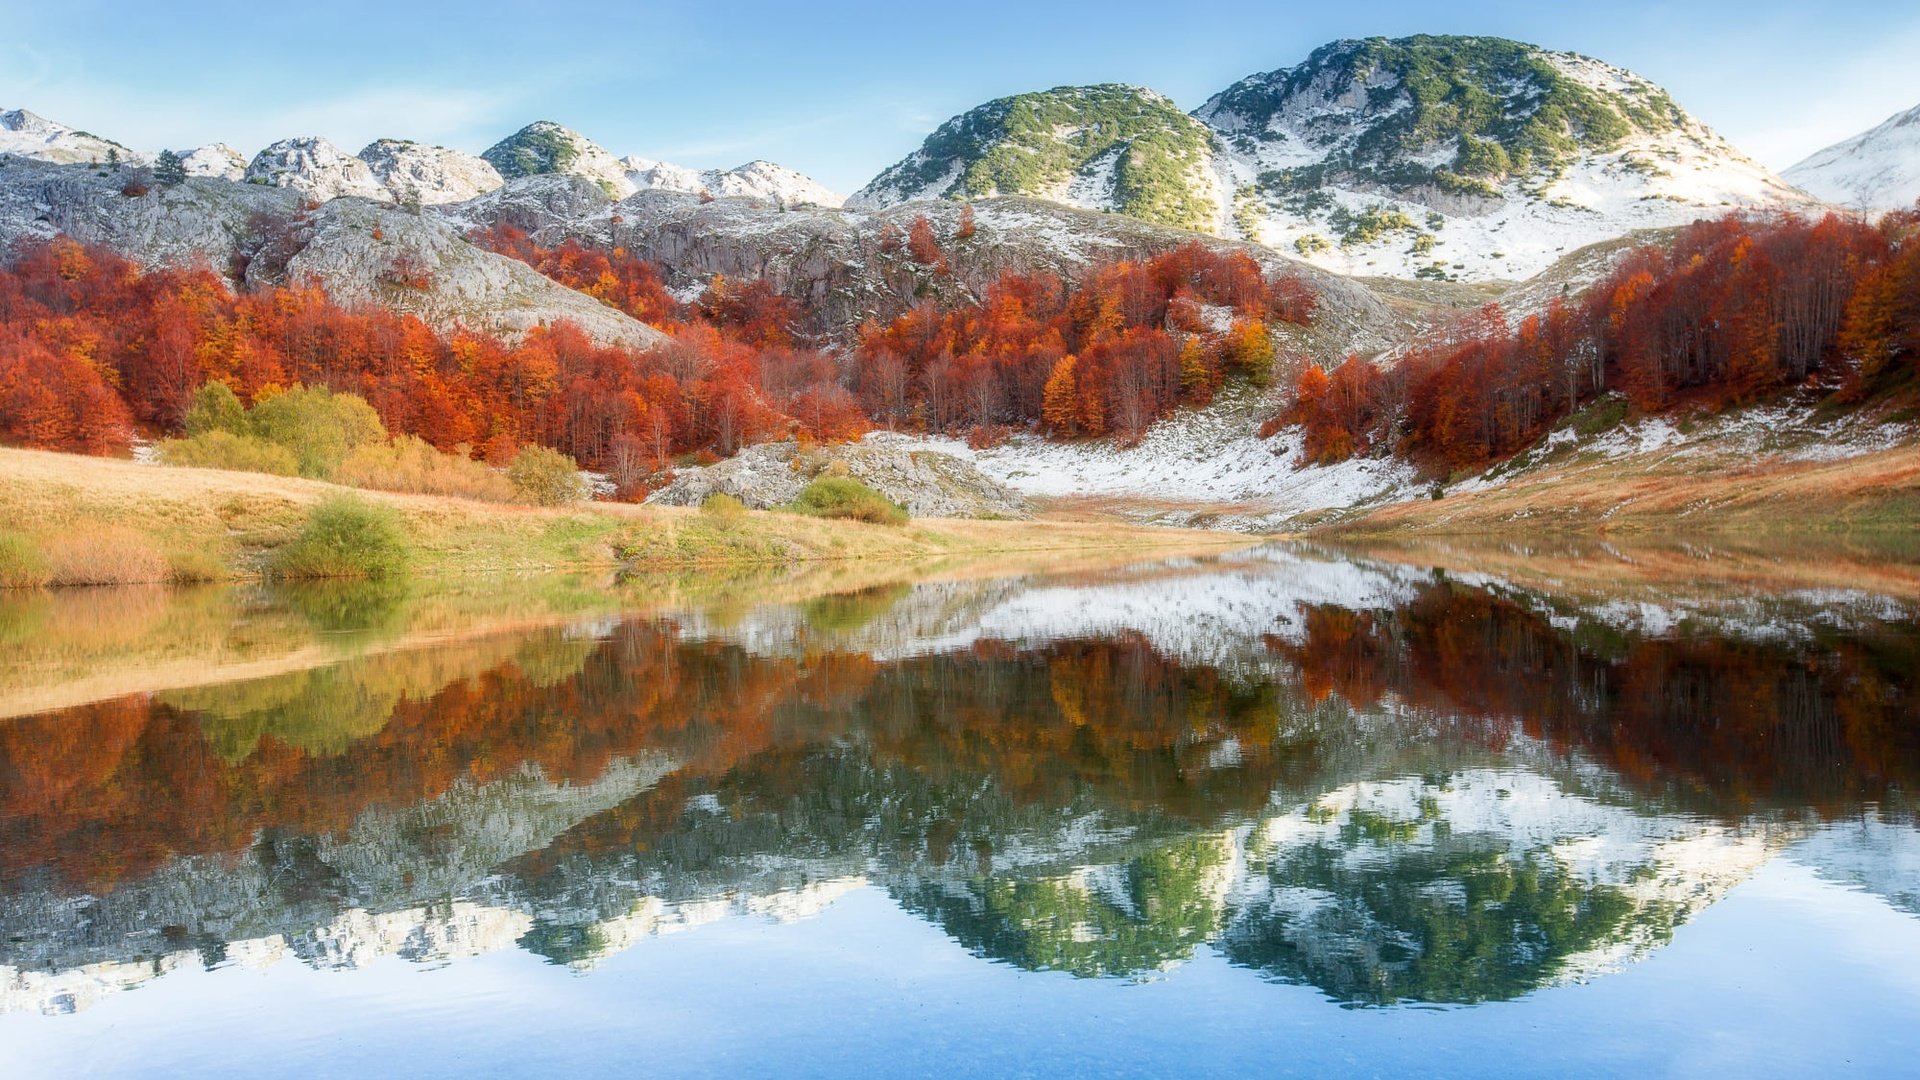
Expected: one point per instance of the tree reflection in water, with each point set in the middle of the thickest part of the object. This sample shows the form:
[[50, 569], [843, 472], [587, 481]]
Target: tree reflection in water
[[1436, 792]]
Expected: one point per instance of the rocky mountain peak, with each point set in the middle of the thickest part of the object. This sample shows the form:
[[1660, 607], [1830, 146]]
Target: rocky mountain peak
[[316, 168], [421, 173]]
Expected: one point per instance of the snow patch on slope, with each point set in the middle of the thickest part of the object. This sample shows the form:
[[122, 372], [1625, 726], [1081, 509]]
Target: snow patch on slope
[[1878, 169]]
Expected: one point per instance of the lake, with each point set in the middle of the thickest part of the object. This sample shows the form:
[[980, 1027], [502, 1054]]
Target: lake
[[1288, 810]]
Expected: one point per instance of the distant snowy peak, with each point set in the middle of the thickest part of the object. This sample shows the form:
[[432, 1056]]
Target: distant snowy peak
[[30, 135], [1444, 157], [415, 172], [316, 168], [217, 160], [544, 147], [756, 179], [1466, 157], [1878, 169]]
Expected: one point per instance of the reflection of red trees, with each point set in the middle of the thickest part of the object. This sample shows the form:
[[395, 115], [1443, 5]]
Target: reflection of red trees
[[108, 792], [1735, 721]]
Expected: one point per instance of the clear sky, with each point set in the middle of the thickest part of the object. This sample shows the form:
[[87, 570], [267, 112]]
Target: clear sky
[[842, 90]]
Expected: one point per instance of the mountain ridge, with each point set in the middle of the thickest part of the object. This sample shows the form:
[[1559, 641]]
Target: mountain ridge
[[1878, 169], [1430, 156]]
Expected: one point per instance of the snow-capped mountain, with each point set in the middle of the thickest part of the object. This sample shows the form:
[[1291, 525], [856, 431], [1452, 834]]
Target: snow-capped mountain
[[316, 168], [1459, 157], [30, 135], [217, 160], [1878, 169], [545, 147], [415, 172], [756, 179]]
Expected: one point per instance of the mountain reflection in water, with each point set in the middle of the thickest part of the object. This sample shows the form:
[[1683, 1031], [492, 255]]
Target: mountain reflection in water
[[1389, 783]]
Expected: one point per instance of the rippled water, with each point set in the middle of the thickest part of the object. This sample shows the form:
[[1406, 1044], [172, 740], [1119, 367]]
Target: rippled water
[[1282, 811]]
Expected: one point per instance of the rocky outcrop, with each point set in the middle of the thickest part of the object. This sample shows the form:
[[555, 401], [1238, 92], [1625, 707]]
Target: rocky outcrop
[[218, 160], [928, 483], [419, 173], [359, 251], [754, 180], [833, 263], [544, 147], [315, 168], [31, 135]]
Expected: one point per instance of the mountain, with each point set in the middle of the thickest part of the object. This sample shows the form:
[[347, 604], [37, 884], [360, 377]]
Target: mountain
[[1435, 157], [1111, 147], [265, 235], [545, 147], [215, 159], [1878, 169], [30, 135], [756, 180], [419, 173], [314, 167]]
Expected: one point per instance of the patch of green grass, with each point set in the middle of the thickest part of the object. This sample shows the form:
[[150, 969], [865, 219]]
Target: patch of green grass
[[1603, 415], [845, 497], [22, 566]]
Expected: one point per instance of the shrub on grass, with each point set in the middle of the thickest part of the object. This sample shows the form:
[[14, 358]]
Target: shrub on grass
[[411, 464], [845, 497], [317, 425], [215, 408], [546, 477], [723, 508], [346, 537], [220, 449], [21, 564]]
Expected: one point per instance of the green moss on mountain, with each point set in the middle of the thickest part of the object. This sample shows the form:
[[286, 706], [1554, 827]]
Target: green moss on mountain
[[1508, 109], [1030, 144], [540, 147]]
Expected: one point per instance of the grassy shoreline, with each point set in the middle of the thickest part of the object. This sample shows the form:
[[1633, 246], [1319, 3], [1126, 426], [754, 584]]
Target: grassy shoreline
[[185, 524], [1671, 495]]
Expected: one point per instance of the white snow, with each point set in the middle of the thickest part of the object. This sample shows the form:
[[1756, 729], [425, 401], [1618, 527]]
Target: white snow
[[1878, 169], [1197, 456]]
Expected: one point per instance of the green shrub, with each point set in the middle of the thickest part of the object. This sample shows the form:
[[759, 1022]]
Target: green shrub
[[215, 408], [220, 449], [723, 507], [845, 497], [21, 564], [346, 537], [317, 425], [411, 464], [546, 477]]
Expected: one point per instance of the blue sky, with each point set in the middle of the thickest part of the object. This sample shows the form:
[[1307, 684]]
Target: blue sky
[[840, 91]]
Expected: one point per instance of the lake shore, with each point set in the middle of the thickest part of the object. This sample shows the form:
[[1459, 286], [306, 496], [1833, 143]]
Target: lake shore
[[1669, 494], [214, 525]]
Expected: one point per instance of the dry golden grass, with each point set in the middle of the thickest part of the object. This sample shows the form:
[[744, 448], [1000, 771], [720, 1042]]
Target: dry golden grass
[[94, 554], [1668, 494], [1624, 567], [236, 519]]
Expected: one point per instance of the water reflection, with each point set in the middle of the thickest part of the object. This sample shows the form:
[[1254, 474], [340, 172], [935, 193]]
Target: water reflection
[[1390, 783]]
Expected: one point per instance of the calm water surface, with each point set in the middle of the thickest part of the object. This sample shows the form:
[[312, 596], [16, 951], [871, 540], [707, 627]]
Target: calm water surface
[[1279, 812]]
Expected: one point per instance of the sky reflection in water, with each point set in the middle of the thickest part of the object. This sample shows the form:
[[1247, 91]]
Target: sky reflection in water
[[1280, 810]]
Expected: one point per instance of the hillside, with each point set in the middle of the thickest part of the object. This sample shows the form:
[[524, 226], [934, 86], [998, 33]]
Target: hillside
[[1461, 158], [1116, 148], [1878, 169]]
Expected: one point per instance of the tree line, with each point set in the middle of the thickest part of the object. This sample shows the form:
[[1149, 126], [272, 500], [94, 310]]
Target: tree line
[[1733, 310]]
